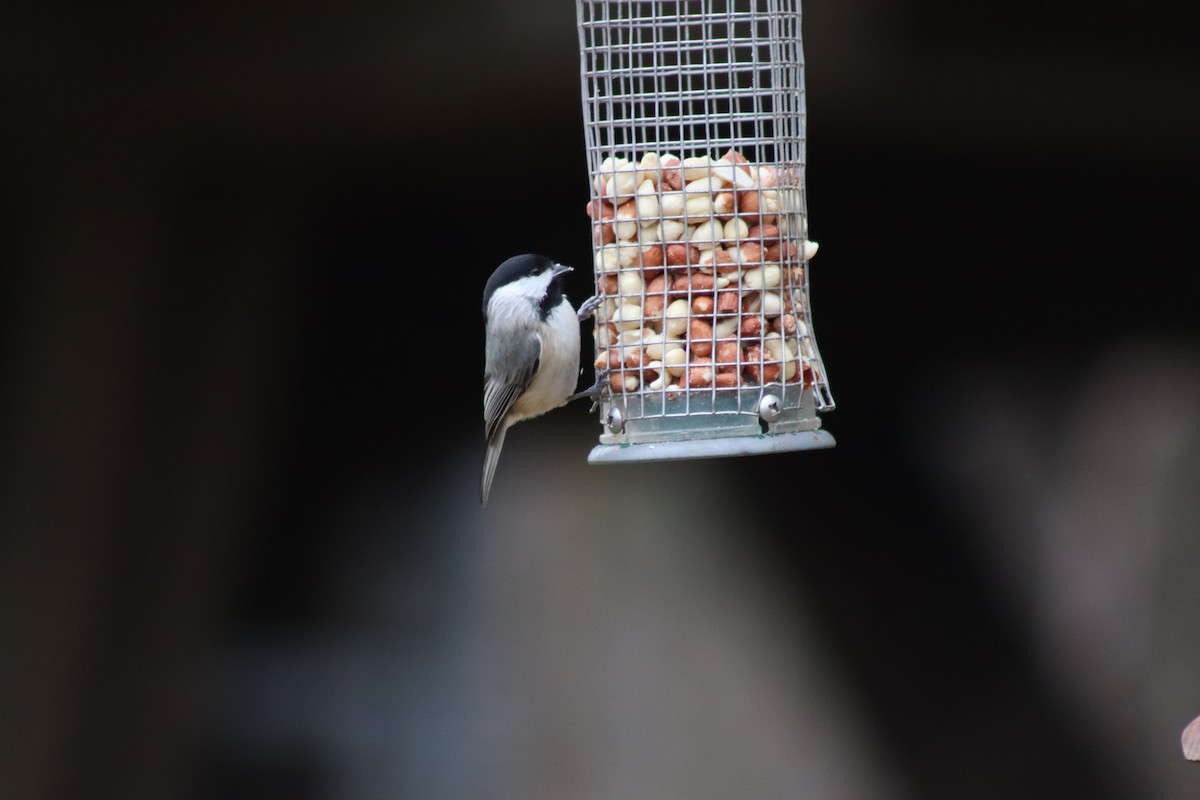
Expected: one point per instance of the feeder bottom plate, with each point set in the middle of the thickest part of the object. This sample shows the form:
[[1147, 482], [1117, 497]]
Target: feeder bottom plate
[[711, 448]]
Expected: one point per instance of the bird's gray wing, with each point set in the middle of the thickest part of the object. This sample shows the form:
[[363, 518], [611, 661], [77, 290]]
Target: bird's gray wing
[[502, 386]]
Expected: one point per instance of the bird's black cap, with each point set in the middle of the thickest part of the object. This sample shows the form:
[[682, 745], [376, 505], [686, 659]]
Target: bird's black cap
[[516, 268]]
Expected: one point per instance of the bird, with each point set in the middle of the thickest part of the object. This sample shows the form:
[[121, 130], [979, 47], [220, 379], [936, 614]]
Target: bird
[[531, 361]]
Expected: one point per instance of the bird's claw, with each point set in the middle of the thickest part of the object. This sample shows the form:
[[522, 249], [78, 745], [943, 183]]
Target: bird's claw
[[596, 391], [589, 306]]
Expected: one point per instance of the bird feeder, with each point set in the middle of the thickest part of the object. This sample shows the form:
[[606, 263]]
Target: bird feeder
[[694, 125]]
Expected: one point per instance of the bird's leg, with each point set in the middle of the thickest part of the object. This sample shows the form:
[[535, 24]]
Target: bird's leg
[[595, 391], [589, 306]]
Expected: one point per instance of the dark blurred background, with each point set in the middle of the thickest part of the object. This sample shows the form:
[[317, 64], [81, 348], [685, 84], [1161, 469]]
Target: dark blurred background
[[240, 356]]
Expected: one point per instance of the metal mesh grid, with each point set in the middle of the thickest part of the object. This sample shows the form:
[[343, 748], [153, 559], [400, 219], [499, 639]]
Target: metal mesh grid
[[694, 125]]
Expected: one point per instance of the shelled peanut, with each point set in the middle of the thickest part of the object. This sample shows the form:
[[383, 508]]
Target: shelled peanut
[[700, 262]]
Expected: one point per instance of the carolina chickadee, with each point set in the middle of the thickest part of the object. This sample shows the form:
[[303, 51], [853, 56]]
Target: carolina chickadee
[[532, 357]]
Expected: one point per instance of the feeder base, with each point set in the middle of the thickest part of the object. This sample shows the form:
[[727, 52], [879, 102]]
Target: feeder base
[[817, 439]]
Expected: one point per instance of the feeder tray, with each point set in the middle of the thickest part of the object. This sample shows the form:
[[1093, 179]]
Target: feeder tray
[[694, 126]]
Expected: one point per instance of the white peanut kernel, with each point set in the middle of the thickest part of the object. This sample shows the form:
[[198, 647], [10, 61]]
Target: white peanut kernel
[[675, 361], [647, 201], [765, 277], [672, 230], [736, 229], [772, 304], [627, 317], [627, 254], [696, 167], [607, 259], [676, 318], [698, 207], [672, 204], [705, 236], [726, 327], [630, 284]]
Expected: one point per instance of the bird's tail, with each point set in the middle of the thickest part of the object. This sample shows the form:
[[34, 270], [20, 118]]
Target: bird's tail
[[490, 459]]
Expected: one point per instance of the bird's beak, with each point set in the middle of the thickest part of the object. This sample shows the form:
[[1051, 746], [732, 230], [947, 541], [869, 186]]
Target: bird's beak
[[562, 269]]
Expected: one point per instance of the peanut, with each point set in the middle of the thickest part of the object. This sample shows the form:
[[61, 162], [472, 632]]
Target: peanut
[[661, 344], [627, 317], [671, 230], [772, 304], [768, 276], [676, 318], [650, 232], [622, 184], [656, 298], [699, 373], [759, 367], [606, 259], [718, 258], [727, 380], [748, 204], [598, 209], [726, 327], [623, 381], [751, 326], [692, 282], [648, 168], [776, 251], [605, 171], [728, 302], [724, 205], [671, 176], [626, 226], [764, 233], [696, 168], [630, 285], [634, 336], [735, 157], [675, 361], [672, 204], [698, 207], [653, 256], [723, 168], [750, 252], [647, 201], [679, 255], [706, 236], [727, 353], [700, 337], [627, 254], [785, 324], [735, 230], [610, 359]]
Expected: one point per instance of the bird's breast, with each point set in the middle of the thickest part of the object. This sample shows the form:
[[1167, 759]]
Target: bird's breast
[[558, 367]]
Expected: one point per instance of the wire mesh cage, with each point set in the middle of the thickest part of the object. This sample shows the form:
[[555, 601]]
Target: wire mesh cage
[[694, 125]]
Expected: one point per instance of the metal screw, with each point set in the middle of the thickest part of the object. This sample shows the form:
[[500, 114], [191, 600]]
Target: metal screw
[[615, 420], [770, 408]]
